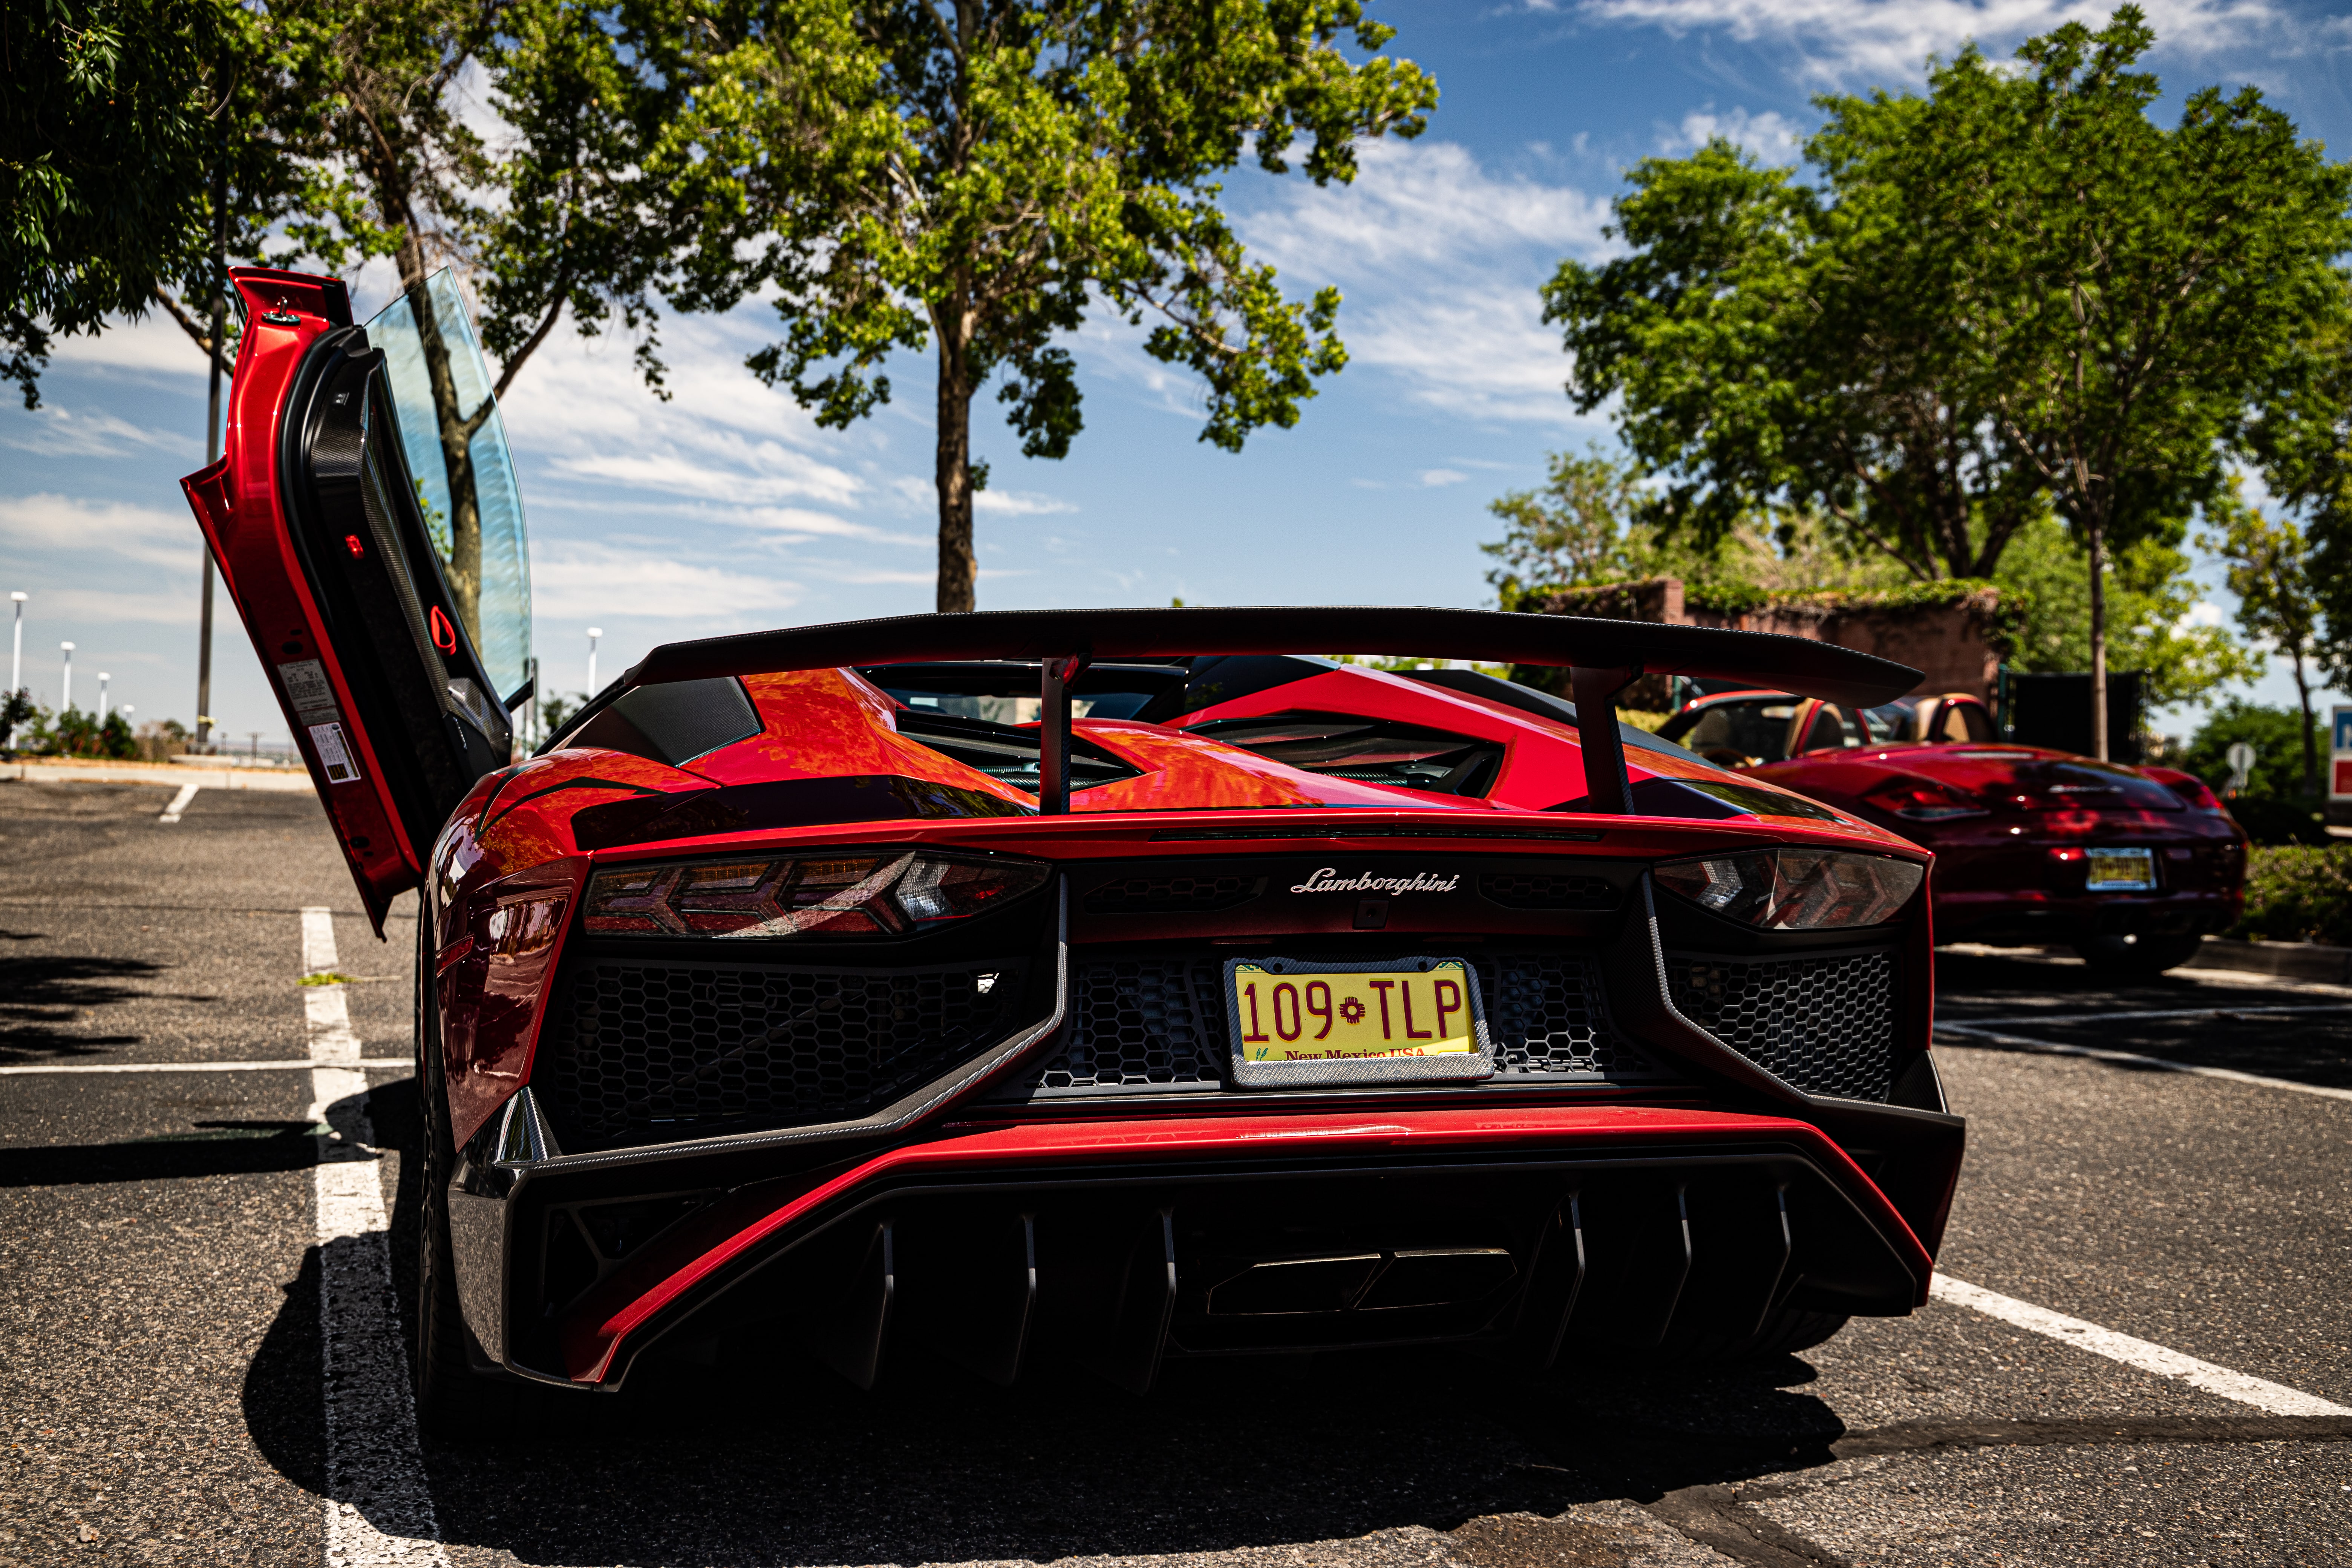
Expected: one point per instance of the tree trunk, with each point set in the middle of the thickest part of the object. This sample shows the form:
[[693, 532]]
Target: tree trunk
[[2310, 739], [455, 431], [2098, 642], [954, 465]]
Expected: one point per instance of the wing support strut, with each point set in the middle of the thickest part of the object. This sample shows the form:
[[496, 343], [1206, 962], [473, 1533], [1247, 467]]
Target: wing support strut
[[1608, 788], [1053, 732]]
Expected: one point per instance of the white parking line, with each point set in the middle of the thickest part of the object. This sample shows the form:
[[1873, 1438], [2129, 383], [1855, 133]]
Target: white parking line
[[179, 803], [2277, 1398], [2152, 1012], [282, 1065], [2132, 1059], [378, 1508]]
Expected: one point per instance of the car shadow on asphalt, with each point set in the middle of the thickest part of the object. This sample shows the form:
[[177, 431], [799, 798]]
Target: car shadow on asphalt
[[208, 1149]]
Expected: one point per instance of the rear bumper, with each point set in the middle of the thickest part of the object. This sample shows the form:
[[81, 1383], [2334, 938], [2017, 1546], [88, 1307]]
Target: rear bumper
[[2032, 916], [1123, 1243]]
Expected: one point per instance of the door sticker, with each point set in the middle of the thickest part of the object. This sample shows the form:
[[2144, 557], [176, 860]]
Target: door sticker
[[333, 755], [307, 688]]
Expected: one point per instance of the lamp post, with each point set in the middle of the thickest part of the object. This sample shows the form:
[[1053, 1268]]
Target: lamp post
[[16, 659], [65, 699], [102, 679], [593, 632]]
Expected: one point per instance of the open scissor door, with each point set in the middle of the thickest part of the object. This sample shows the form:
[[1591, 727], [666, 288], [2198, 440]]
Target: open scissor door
[[330, 514]]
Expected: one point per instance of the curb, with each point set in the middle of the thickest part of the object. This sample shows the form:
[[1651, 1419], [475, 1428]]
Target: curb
[[2290, 959]]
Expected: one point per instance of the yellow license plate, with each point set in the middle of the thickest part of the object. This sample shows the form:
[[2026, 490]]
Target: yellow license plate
[[2121, 871], [1298, 1013]]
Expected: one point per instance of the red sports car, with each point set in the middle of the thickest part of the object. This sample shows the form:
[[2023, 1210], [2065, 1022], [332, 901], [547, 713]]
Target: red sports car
[[1113, 987], [2130, 867]]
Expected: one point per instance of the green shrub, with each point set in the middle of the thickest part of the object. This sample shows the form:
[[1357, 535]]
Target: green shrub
[[2299, 893]]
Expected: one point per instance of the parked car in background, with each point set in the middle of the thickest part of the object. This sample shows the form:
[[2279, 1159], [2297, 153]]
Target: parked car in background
[[2131, 866]]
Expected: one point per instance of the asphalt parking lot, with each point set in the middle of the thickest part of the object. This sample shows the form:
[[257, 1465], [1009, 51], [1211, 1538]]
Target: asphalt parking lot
[[197, 1295]]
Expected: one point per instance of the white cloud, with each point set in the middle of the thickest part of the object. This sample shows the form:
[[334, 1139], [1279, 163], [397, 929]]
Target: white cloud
[[1771, 136], [1441, 261], [602, 581], [85, 608], [1018, 504], [94, 433], [88, 532], [1837, 41], [2205, 613], [1432, 477], [799, 522], [1425, 201], [154, 344]]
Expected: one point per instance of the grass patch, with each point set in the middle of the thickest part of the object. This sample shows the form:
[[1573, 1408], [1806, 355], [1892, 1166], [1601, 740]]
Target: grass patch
[[2298, 892], [328, 977]]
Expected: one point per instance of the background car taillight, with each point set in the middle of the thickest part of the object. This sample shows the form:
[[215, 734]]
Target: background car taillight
[[1797, 889], [1923, 800], [2188, 786], [784, 896]]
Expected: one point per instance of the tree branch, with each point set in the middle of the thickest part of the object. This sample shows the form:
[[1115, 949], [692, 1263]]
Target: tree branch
[[187, 323]]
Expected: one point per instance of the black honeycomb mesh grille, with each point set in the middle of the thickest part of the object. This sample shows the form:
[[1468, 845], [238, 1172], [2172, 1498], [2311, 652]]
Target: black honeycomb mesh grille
[[1548, 890], [1826, 1025], [1149, 895], [1160, 1023], [644, 1052]]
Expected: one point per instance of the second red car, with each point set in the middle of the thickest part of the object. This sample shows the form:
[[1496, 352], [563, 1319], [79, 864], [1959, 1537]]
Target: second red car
[[2129, 865]]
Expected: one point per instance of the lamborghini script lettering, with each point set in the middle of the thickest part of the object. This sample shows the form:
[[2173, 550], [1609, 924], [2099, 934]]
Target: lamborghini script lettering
[[1326, 879]]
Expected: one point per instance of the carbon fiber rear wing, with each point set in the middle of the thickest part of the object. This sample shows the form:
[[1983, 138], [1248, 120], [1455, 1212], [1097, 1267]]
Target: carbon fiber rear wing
[[1602, 656]]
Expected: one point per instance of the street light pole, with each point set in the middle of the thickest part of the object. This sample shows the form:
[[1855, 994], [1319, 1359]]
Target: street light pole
[[16, 659], [102, 679], [593, 632], [213, 440], [65, 700]]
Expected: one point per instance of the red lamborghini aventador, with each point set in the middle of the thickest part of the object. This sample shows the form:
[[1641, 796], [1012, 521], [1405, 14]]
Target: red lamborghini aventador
[[1107, 987], [2130, 867]]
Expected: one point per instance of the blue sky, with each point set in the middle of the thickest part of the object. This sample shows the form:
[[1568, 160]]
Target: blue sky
[[726, 508]]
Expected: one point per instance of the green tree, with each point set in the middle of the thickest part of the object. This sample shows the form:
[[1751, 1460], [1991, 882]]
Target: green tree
[[2151, 593], [559, 217], [132, 153], [2016, 293], [2268, 564], [2272, 806], [971, 177], [16, 713], [1568, 533]]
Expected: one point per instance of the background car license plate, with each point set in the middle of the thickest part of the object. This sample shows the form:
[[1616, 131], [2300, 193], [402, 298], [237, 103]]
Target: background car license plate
[[2122, 871], [1406, 1018]]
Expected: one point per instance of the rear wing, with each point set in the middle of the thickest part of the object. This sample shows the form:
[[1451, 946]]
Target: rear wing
[[1602, 656]]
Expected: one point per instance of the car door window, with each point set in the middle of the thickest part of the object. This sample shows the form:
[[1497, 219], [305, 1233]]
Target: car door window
[[1888, 723], [490, 571], [1737, 730]]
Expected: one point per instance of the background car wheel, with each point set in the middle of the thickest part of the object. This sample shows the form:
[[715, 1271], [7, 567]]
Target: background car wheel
[[2137, 954]]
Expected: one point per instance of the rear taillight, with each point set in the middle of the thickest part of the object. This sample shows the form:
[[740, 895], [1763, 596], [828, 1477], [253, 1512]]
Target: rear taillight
[[804, 895], [2191, 789], [1923, 800], [1797, 889]]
